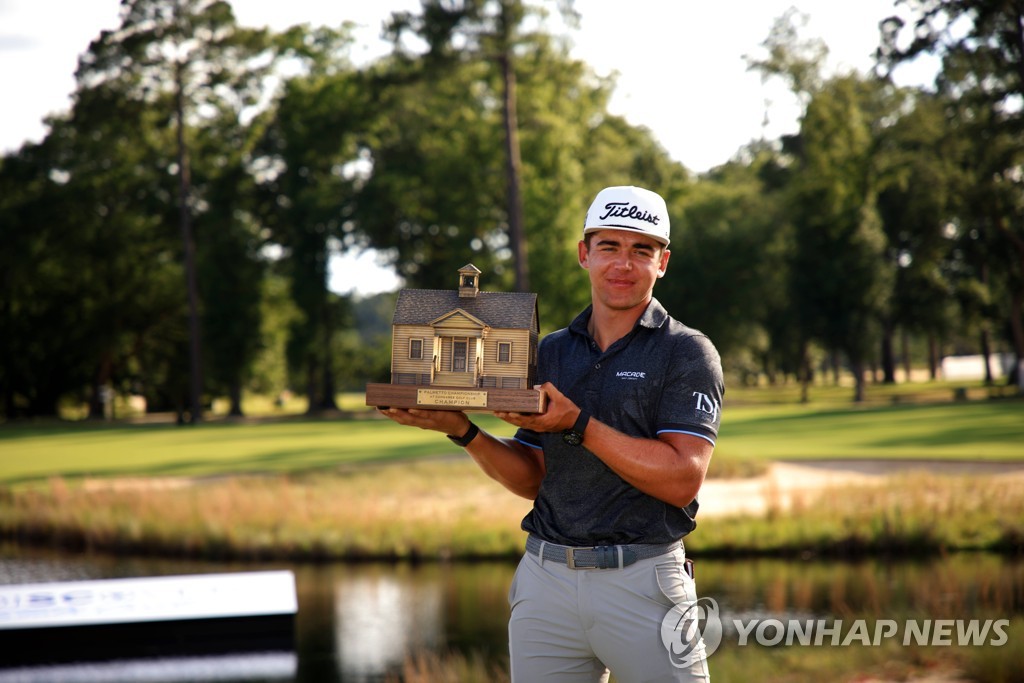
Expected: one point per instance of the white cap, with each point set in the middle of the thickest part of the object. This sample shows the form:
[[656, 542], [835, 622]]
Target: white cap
[[629, 208]]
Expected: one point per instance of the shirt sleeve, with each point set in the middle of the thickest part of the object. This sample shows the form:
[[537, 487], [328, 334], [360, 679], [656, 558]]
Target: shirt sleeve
[[528, 437], [691, 402]]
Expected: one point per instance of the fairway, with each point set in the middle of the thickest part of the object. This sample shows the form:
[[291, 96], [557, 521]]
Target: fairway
[[978, 430], [213, 448]]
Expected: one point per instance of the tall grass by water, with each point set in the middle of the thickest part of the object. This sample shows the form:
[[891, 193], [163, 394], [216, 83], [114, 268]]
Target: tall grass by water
[[366, 487], [446, 509]]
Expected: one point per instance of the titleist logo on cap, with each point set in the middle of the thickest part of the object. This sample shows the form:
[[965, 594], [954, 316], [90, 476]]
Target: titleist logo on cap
[[626, 210], [627, 207]]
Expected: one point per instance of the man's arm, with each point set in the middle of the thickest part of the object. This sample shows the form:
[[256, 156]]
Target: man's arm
[[514, 465], [670, 468]]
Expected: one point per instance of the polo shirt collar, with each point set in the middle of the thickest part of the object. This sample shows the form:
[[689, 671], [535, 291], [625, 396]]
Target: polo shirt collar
[[653, 317]]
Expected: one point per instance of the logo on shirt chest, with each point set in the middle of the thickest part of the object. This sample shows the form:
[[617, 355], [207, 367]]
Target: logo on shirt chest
[[631, 375]]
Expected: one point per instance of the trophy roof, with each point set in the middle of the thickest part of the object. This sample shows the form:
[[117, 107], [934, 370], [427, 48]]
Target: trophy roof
[[507, 310]]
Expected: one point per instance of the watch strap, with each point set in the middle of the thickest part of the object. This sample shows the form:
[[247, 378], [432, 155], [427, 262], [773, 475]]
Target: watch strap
[[467, 437], [574, 436], [581, 422]]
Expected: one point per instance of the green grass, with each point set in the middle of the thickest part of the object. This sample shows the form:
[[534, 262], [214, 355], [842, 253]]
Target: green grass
[[975, 430], [336, 490], [214, 448], [752, 433]]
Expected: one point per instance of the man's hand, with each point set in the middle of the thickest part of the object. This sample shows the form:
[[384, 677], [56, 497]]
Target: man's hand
[[561, 413], [445, 421]]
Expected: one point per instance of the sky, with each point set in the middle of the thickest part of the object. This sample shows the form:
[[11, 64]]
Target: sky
[[680, 67]]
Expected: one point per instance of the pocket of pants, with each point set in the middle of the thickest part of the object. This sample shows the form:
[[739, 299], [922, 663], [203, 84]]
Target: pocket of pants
[[515, 581], [674, 582]]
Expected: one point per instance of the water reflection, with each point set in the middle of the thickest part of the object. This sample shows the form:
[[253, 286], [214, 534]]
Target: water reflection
[[379, 618], [359, 623]]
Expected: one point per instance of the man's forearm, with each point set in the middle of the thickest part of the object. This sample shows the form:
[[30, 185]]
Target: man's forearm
[[671, 470], [515, 466]]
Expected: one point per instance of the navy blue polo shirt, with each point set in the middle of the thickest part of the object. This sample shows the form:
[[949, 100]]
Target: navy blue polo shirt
[[661, 377]]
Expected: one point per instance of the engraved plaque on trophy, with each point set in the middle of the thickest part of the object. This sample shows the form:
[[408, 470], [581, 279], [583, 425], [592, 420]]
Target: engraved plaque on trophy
[[462, 349]]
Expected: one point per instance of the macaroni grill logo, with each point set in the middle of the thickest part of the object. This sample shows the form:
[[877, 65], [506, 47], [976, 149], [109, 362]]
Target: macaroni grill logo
[[630, 375]]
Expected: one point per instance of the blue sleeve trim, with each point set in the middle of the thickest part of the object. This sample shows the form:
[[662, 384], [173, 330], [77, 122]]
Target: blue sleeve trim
[[683, 431], [527, 443]]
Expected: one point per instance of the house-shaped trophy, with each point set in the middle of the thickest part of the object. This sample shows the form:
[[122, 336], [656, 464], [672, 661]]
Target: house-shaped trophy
[[462, 349]]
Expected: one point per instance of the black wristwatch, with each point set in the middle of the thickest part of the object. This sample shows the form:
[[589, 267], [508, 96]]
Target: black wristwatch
[[467, 437], [574, 436]]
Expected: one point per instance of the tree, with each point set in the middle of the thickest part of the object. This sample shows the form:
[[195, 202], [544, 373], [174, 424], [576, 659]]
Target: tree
[[188, 59], [838, 280], [308, 166], [981, 44], [839, 277], [728, 273], [86, 211], [491, 30], [920, 190]]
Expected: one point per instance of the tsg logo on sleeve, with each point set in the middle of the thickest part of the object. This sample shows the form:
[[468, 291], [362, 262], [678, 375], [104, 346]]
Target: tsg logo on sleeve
[[707, 405]]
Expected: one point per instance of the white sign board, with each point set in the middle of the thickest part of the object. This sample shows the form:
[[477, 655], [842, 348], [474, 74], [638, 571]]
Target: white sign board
[[166, 598]]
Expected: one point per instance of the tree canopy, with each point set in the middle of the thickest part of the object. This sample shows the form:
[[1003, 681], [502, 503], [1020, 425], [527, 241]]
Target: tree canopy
[[191, 202]]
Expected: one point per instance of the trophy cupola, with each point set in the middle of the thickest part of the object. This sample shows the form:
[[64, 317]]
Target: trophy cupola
[[469, 281]]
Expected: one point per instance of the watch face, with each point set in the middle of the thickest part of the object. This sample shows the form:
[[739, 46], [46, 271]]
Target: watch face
[[573, 438]]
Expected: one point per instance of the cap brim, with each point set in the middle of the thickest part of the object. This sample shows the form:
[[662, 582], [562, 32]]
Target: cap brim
[[594, 228]]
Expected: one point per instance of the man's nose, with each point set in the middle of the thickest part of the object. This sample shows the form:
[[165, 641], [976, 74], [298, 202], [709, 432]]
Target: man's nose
[[624, 261]]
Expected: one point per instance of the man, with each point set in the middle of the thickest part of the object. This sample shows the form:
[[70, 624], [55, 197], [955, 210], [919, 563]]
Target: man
[[613, 465]]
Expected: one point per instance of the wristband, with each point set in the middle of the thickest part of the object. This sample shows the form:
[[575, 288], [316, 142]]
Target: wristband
[[574, 436], [467, 437]]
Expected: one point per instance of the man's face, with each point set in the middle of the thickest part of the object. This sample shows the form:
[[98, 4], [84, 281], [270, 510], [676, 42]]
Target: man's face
[[623, 267]]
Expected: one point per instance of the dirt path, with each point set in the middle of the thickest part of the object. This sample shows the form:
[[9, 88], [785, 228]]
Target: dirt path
[[787, 482]]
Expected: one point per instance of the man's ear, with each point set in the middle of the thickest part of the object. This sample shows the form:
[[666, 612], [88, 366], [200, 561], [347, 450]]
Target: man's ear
[[583, 254], [665, 255]]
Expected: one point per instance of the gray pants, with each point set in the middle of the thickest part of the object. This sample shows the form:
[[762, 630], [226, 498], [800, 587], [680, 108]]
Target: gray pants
[[573, 625]]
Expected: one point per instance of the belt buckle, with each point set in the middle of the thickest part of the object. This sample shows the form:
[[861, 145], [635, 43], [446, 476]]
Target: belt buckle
[[570, 558]]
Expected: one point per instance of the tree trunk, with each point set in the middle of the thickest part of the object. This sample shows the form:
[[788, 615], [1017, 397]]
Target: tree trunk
[[888, 356], [235, 395], [513, 171], [326, 363], [312, 400], [905, 352], [100, 380], [805, 376], [986, 352], [933, 357], [184, 191], [857, 368], [1017, 334]]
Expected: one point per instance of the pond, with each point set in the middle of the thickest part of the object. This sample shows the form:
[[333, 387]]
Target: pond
[[359, 622]]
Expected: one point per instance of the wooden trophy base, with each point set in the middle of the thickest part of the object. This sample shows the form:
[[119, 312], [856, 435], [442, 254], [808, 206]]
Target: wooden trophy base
[[468, 399]]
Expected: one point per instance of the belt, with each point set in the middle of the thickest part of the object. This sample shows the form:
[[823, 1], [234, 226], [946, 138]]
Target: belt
[[597, 557]]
